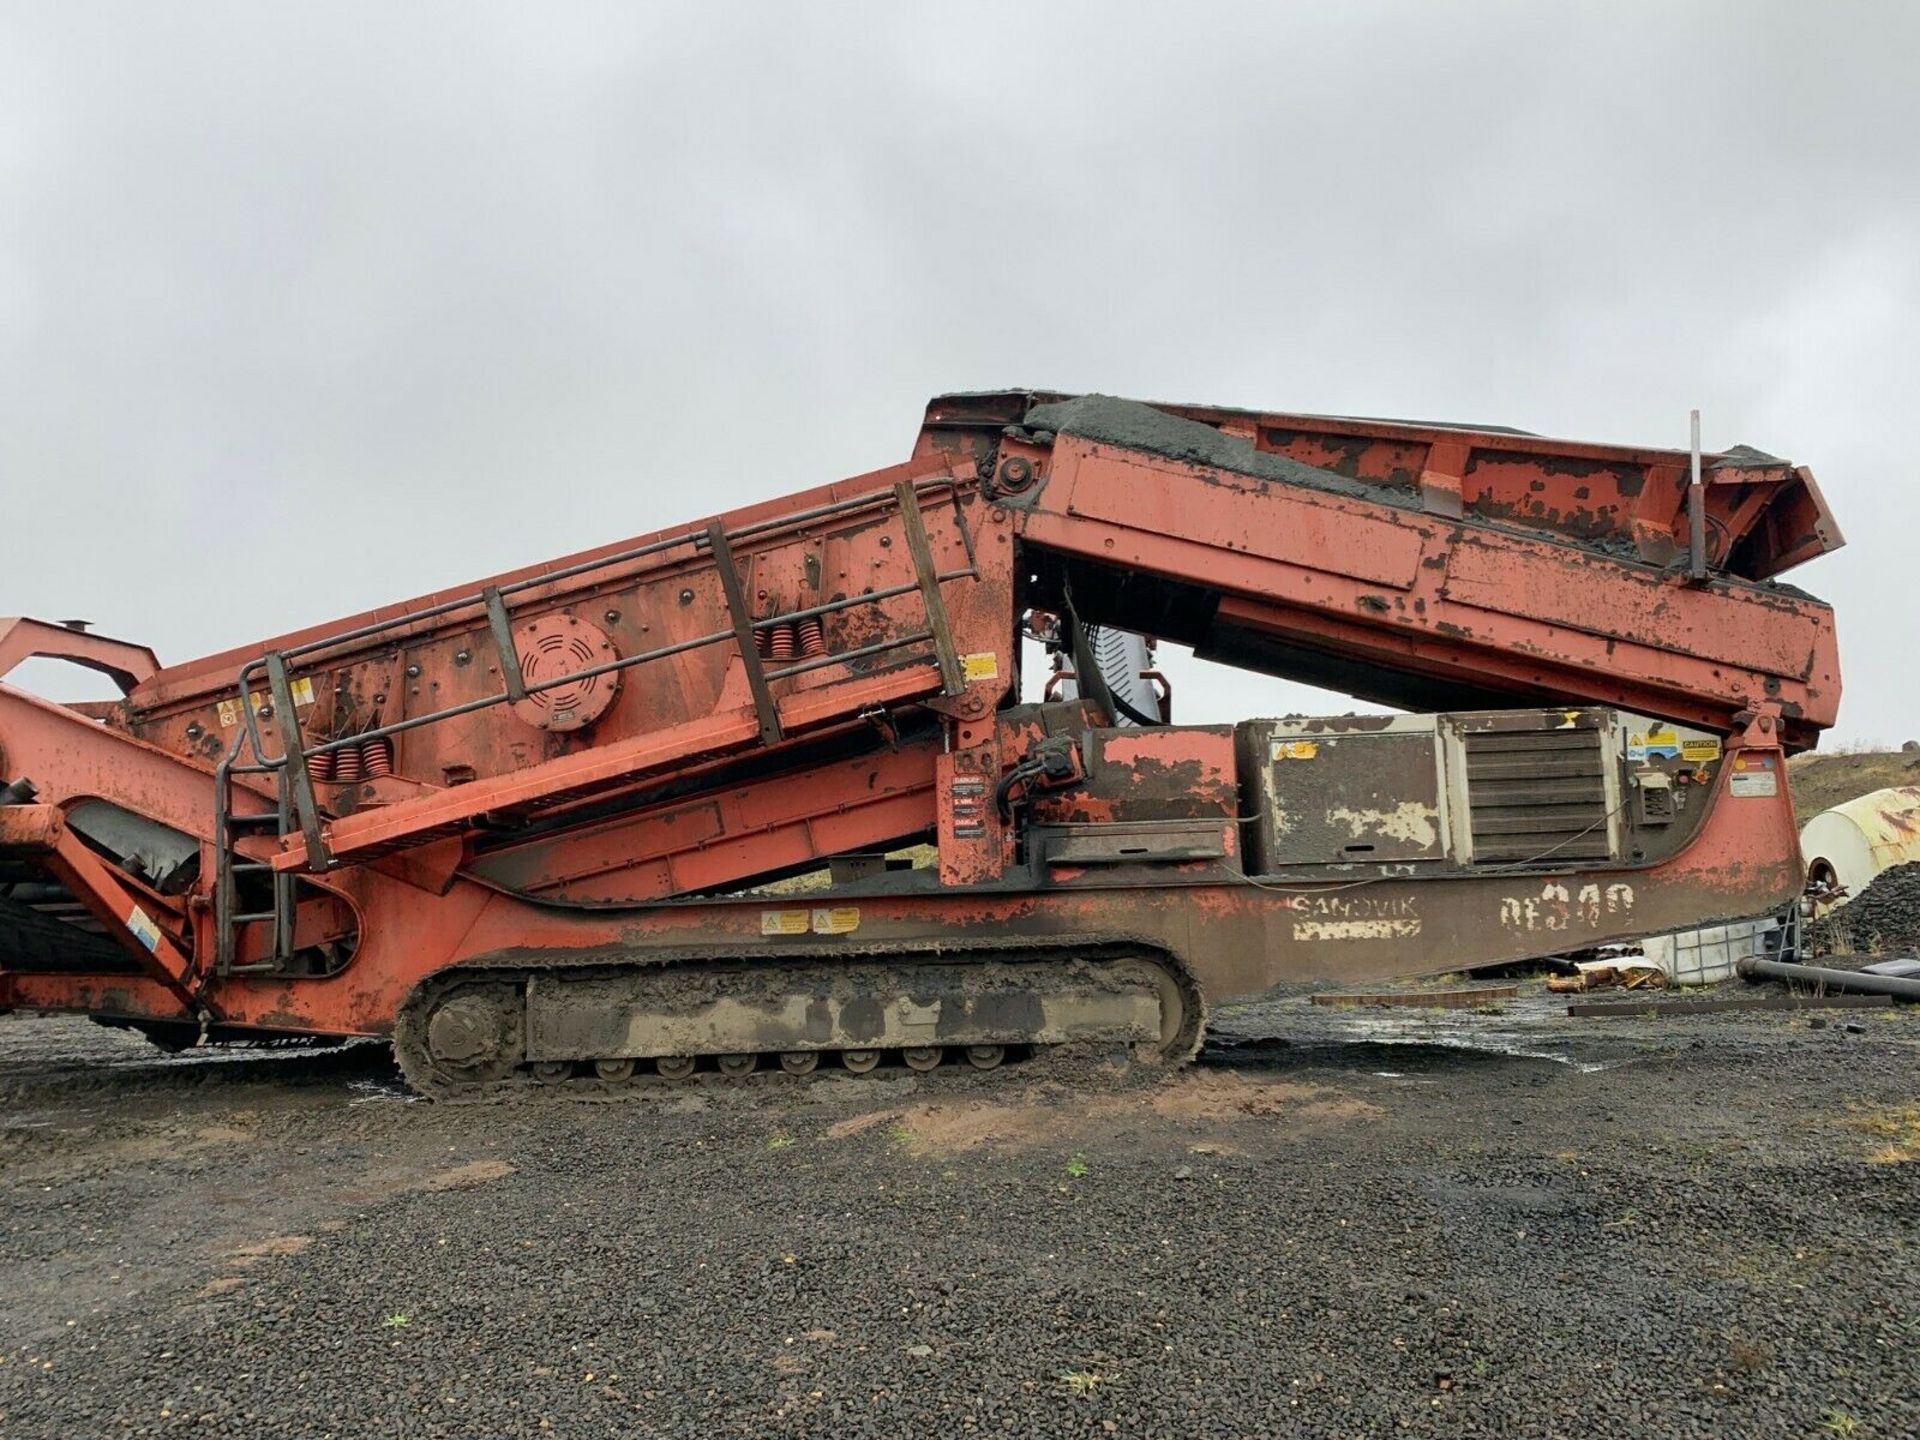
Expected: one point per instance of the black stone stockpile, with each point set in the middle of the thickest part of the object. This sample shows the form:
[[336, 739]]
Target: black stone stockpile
[[1882, 919]]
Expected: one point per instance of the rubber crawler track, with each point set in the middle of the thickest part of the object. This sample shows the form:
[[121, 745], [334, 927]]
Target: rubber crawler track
[[510, 971]]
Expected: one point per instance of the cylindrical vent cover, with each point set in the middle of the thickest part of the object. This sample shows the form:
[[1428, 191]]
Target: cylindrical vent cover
[[553, 646]]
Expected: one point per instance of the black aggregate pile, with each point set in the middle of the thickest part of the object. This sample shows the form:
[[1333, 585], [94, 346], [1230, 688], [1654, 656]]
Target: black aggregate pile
[[1883, 918], [1365, 1241]]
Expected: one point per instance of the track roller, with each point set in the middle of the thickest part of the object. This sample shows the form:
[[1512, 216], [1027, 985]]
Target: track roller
[[923, 1057], [859, 1061], [736, 1066], [675, 1067], [799, 1062]]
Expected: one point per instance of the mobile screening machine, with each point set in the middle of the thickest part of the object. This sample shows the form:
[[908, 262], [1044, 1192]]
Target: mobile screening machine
[[529, 828]]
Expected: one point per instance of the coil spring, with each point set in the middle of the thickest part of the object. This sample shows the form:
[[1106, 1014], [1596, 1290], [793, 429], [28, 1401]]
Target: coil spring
[[320, 766], [781, 646], [376, 757], [813, 638], [347, 767]]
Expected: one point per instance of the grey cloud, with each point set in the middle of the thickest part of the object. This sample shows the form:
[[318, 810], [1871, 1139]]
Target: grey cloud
[[306, 309]]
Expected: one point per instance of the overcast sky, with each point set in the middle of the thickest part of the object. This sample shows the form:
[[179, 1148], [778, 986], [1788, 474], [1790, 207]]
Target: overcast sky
[[307, 308]]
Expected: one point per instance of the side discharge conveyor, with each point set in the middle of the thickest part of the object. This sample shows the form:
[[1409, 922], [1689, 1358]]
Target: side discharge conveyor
[[763, 789]]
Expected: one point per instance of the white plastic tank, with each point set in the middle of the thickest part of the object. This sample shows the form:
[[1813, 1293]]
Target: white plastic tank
[[1852, 843], [1708, 956]]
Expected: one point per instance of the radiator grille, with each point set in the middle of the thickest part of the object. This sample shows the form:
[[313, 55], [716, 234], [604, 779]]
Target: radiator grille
[[1537, 794]]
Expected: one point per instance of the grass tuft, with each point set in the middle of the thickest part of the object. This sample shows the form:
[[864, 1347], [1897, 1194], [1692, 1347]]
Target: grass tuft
[[1896, 1127]]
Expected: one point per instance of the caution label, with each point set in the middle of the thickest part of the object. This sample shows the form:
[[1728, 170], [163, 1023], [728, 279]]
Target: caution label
[[981, 665], [826, 920], [1661, 742], [1700, 752], [1295, 749], [840, 920], [230, 712]]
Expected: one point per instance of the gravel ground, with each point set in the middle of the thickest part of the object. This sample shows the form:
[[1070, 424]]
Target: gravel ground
[[1390, 1224]]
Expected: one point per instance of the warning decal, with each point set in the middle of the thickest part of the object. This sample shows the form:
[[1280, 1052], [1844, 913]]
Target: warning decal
[[982, 665], [230, 709], [143, 928], [837, 921], [783, 922], [1661, 742]]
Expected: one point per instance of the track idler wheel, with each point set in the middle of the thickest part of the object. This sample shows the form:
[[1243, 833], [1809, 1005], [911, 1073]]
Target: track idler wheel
[[460, 1035]]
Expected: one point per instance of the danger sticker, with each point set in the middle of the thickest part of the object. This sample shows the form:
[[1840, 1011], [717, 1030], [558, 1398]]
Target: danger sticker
[[1657, 743], [982, 665], [230, 711], [840, 920], [784, 922]]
